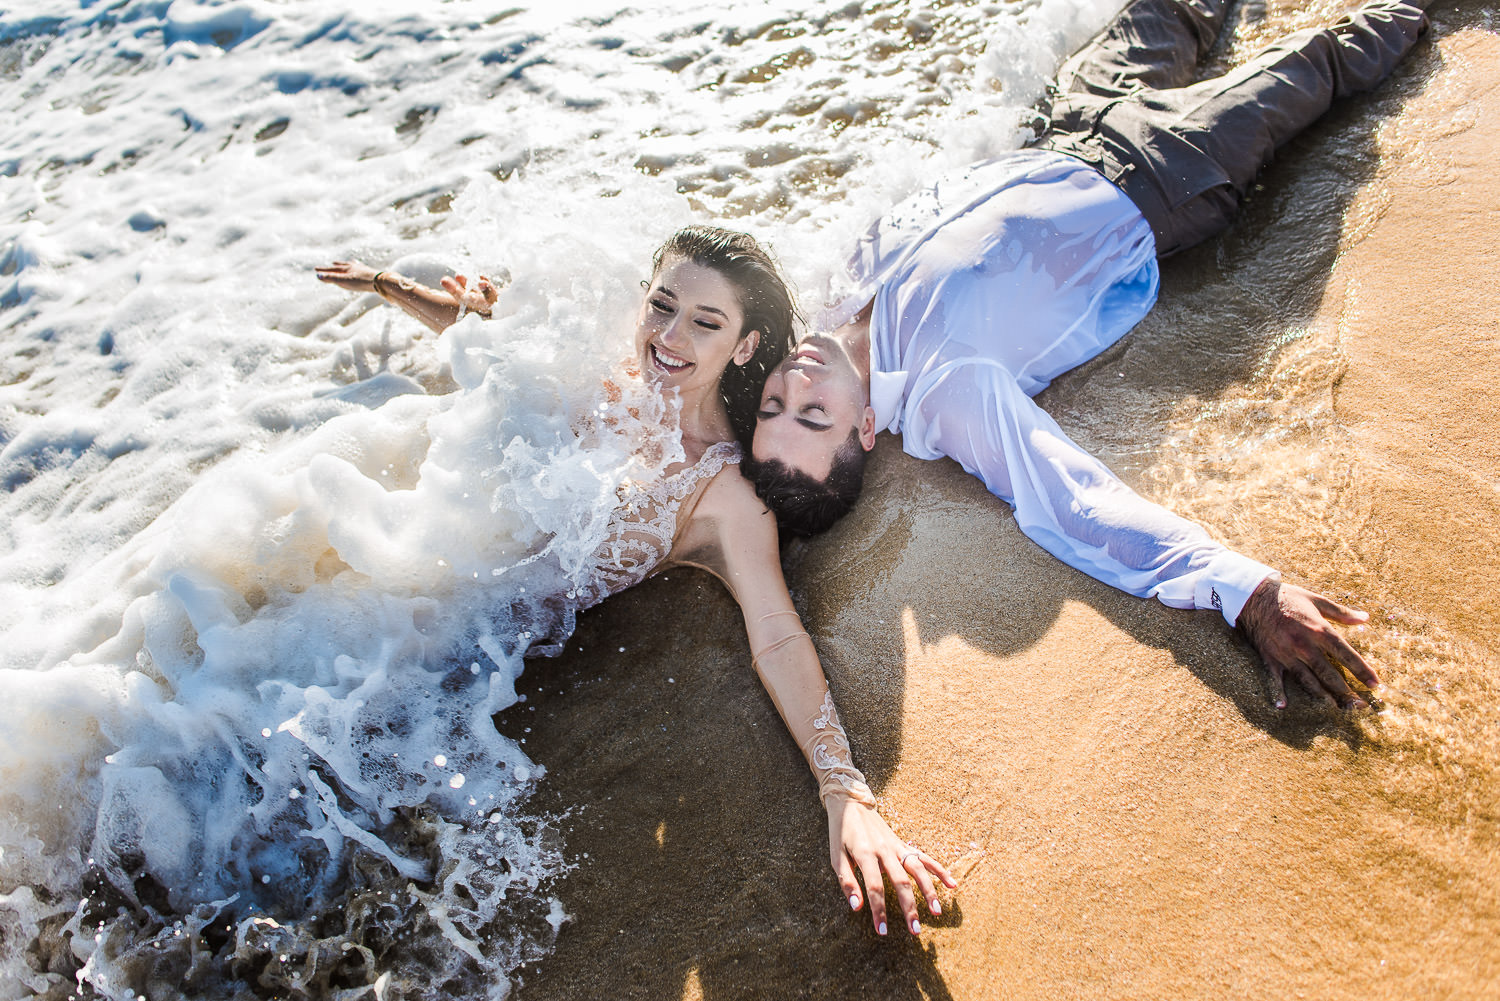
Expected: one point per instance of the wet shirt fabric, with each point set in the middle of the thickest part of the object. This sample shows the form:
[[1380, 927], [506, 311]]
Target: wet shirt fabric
[[986, 286]]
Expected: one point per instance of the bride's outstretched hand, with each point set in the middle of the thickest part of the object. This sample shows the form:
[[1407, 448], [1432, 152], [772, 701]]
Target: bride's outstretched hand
[[860, 839], [479, 299]]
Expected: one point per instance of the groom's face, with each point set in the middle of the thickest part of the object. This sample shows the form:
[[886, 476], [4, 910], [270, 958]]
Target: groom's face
[[810, 404]]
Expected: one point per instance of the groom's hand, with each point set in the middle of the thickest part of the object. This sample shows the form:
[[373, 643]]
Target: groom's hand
[[1291, 628]]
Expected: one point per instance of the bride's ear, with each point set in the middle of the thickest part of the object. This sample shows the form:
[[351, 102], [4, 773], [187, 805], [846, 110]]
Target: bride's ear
[[745, 349]]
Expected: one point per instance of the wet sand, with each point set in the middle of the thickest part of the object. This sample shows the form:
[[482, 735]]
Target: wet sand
[[1128, 817]]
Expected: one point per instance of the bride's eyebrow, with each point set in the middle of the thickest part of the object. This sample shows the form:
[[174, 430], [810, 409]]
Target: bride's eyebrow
[[663, 290]]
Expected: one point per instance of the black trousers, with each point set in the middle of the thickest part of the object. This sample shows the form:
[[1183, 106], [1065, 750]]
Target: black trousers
[[1186, 153]]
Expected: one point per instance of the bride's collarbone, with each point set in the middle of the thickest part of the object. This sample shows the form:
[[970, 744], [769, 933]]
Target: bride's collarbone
[[694, 448]]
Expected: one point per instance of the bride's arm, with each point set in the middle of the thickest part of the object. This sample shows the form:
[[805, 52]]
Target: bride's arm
[[439, 309], [744, 534]]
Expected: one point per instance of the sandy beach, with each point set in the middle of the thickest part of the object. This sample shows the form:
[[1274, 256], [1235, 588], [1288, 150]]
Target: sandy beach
[[1128, 816]]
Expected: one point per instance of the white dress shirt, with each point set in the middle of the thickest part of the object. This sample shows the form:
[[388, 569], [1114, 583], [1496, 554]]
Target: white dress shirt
[[986, 286]]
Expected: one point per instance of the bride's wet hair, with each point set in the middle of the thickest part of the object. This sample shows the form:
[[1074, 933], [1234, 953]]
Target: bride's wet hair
[[764, 298]]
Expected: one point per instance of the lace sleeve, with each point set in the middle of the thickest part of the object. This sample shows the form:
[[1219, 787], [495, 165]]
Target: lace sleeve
[[822, 739], [827, 751]]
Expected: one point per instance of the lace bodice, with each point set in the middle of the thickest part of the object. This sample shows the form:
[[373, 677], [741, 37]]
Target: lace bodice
[[644, 523]]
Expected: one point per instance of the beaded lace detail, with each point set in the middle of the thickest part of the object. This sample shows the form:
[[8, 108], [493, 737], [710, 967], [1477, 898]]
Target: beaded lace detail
[[643, 525], [828, 753]]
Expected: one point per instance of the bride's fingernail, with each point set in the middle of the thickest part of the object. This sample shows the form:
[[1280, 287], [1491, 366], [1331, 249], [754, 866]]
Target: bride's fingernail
[[854, 901], [916, 927], [935, 907], [881, 929]]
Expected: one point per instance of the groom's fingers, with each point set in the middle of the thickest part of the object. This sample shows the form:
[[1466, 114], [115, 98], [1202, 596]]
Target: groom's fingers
[[1314, 686], [1296, 635], [1334, 683], [1336, 646], [1350, 658], [1331, 609], [1278, 685]]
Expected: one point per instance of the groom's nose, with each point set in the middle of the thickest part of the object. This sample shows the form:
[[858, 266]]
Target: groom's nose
[[798, 379]]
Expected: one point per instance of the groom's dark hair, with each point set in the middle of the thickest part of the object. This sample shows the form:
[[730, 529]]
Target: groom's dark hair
[[804, 506]]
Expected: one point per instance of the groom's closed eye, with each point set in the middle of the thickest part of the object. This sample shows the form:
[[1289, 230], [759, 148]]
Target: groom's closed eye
[[813, 416]]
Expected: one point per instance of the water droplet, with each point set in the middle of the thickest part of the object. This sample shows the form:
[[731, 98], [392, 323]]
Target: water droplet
[[457, 781], [440, 760]]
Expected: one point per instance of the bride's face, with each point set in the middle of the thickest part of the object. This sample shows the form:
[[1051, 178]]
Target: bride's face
[[689, 329]]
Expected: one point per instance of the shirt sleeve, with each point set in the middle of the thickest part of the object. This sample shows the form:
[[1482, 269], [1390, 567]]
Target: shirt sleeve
[[973, 411]]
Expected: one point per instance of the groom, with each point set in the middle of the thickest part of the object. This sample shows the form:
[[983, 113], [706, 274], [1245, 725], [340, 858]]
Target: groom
[[974, 294]]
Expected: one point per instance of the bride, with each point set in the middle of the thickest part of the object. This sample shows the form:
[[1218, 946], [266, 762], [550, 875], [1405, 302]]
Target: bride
[[715, 319]]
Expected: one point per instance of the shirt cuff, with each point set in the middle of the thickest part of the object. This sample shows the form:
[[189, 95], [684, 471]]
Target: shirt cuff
[[1227, 583]]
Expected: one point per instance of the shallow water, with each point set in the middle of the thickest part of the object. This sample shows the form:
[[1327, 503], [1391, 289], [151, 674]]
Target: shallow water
[[264, 563]]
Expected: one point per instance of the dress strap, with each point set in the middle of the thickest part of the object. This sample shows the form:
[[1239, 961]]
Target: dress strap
[[714, 458], [685, 484]]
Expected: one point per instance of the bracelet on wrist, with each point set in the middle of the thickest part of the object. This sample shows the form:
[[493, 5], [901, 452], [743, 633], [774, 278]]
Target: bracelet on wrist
[[375, 284]]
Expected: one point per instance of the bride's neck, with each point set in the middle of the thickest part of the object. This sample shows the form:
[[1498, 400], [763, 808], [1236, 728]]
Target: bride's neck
[[704, 421]]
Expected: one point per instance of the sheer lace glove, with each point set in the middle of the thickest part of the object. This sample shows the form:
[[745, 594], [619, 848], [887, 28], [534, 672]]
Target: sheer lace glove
[[827, 753]]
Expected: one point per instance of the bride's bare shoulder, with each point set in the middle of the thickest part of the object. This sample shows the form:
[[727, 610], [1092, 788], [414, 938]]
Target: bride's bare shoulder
[[728, 519], [731, 495]]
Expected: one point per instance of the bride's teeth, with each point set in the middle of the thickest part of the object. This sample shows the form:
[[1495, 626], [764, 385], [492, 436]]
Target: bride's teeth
[[665, 362]]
